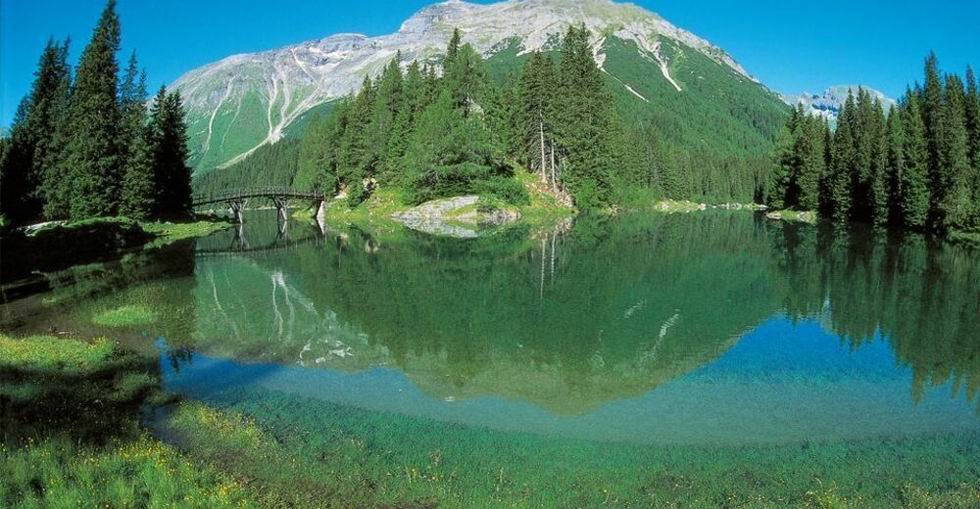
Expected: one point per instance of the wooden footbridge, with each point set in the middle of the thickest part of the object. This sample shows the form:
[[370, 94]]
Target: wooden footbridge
[[237, 199]]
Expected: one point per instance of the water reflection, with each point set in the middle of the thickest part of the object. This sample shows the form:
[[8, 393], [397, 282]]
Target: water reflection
[[727, 312], [570, 319]]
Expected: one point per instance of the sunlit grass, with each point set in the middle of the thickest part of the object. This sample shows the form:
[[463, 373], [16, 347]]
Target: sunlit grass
[[48, 352], [168, 233], [132, 315], [123, 473]]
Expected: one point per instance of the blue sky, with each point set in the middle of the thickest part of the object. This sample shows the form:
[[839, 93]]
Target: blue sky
[[790, 46]]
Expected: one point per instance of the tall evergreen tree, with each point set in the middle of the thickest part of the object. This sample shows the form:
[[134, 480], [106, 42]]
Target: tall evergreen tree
[[32, 138], [973, 142], [842, 162], [585, 123], [537, 94], [812, 163], [954, 204], [895, 164], [914, 198], [56, 188], [92, 160], [171, 174], [932, 113], [138, 187]]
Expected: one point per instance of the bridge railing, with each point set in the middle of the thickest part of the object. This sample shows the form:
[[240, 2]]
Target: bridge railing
[[256, 192]]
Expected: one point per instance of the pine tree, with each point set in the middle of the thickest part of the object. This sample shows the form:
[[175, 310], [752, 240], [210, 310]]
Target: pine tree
[[171, 175], [33, 139], [785, 161], [138, 187], [354, 155], [954, 204], [973, 142], [56, 188], [878, 179], [915, 195], [810, 152], [932, 113], [452, 51], [842, 162], [895, 164], [537, 88], [585, 123], [91, 160]]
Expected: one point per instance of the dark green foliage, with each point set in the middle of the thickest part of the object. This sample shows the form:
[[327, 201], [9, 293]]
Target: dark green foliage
[[448, 154], [273, 165], [138, 182], [171, 174], [84, 147], [32, 147], [841, 166], [914, 168], [92, 162], [953, 171], [914, 195], [800, 163], [536, 116]]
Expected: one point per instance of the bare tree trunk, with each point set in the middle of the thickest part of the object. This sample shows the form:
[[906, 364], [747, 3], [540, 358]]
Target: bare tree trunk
[[544, 163], [554, 179]]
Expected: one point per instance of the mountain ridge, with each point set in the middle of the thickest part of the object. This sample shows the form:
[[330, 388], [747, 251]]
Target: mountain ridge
[[249, 100]]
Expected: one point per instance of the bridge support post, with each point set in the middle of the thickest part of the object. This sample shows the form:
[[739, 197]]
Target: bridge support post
[[282, 207], [237, 208], [320, 214]]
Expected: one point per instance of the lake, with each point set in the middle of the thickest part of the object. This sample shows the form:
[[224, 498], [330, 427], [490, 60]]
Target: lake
[[708, 359]]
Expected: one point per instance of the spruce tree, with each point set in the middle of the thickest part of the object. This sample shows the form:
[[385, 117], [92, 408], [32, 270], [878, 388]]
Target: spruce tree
[[138, 187], [842, 163], [811, 163], [915, 194], [585, 123], [785, 161], [537, 93], [954, 204], [91, 161], [32, 145], [973, 142], [932, 113], [55, 183], [895, 164], [171, 175]]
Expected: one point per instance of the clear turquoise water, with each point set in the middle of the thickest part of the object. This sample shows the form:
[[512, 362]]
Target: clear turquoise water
[[709, 346]]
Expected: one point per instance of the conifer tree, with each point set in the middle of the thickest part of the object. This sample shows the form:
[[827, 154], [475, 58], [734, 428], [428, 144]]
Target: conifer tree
[[138, 188], [585, 123], [954, 203], [878, 179], [32, 144], [973, 143], [932, 113], [895, 164], [171, 175], [537, 90], [92, 160], [842, 163], [810, 152], [914, 198], [55, 183]]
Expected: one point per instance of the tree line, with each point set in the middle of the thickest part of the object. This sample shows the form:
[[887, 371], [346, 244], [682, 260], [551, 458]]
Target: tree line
[[916, 166], [85, 145]]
